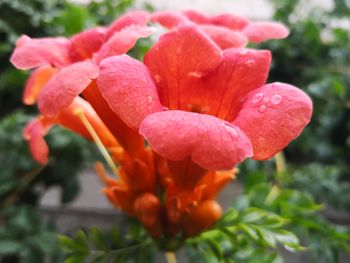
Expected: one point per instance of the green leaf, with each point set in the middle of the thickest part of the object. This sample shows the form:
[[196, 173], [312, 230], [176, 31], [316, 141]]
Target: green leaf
[[97, 239], [266, 236], [249, 230], [72, 246], [257, 216], [229, 217], [216, 248]]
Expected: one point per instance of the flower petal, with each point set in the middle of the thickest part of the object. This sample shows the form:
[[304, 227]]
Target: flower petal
[[123, 41], [234, 22], [179, 57], [67, 84], [36, 129], [36, 82], [212, 143], [261, 31], [137, 18], [221, 91], [127, 86], [197, 17], [83, 45], [272, 116], [168, 19], [34, 133], [30, 53], [129, 139], [224, 37], [69, 119]]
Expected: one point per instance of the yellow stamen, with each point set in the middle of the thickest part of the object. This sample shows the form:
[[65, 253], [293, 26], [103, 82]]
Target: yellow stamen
[[97, 141]]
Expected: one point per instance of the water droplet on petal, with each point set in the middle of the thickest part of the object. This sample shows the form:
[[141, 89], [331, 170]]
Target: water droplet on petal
[[231, 130], [149, 99], [157, 78], [257, 98], [276, 99], [250, 62], [262, 108], [195, 74]]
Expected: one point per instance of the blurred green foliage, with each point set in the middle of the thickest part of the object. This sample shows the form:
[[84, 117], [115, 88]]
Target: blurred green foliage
[[131, 245], [316, 58], [24, 235], [273, 206]]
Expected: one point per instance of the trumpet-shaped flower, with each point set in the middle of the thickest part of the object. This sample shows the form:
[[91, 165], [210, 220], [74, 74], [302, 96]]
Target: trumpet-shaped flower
[[227, 30], [199, 99], [219, 110]]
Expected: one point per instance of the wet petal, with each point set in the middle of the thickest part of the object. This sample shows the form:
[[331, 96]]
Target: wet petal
[[272, 116], [179, 57], [36, 82], [30, 53], [69, 119], [64, 86], [261, 31], [129, 138], [168, 19], [127, 86], [197, 17], [123, 41], [34, 133], [234, 22], [224, 37], [212, 143], [137, 18], [221, 91], [83, 45]]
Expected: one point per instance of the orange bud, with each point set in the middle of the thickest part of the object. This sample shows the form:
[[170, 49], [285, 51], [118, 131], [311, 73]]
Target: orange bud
[[147, 209], [203, 216]]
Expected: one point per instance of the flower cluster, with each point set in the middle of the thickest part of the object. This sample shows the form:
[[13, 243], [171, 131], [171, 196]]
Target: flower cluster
[[176, 123]]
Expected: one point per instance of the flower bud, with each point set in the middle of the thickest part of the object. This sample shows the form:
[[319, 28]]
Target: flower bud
[[203, 216]]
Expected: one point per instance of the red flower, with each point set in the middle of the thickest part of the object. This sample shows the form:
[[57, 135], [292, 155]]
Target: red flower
[[219, 110], [201, 109], [227, 30], [69, 67]]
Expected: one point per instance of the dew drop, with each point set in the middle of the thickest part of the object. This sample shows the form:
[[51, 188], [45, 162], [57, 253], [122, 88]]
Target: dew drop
[[262, 108], [149, 99], [158, 78], [257, 98], [276, 99], [250, 62], [231, 130], [195, 74]]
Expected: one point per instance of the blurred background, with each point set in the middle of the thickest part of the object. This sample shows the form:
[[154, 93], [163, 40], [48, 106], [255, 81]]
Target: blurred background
[[38, 202]]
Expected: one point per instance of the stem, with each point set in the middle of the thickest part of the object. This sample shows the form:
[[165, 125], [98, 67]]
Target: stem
[[170, 257], [281, 168], [280, 162]]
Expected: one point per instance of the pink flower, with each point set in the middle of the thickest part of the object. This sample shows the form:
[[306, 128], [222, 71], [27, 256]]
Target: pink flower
[[66, 68], [227, 30], [199, 99], [190, 99]]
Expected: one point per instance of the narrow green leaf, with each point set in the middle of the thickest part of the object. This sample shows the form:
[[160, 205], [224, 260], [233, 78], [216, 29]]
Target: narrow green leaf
[[97, 239], [249, 230]]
